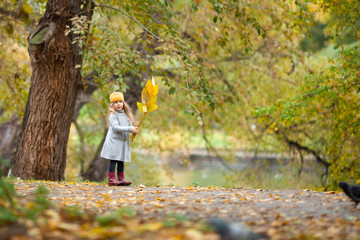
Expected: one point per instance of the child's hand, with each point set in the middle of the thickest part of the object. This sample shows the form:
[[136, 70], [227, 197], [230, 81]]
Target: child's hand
[[135, 131]]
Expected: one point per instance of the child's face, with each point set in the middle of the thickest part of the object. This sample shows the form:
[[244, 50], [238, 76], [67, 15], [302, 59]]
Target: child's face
[[118, 105]]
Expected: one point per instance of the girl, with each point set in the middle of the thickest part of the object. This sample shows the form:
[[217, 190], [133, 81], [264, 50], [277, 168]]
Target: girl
[[117, 145]]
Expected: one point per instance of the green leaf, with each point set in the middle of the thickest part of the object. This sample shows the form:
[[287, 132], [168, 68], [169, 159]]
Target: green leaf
[[215, 19], [172, 90]]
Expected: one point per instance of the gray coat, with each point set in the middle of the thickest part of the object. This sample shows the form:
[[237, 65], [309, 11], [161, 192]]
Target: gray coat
[[115, 147]]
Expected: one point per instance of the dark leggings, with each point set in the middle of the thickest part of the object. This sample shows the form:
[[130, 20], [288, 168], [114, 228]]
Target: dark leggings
[[120, 166]]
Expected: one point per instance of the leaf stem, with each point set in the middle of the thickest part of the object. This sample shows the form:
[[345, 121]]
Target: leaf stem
[[142, 119]]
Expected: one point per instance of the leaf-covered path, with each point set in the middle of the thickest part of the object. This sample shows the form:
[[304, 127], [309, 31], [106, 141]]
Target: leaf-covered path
[[285, 214]]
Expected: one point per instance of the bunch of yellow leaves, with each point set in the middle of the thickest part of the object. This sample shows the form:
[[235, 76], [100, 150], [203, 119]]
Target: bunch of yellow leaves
[[148, 99]]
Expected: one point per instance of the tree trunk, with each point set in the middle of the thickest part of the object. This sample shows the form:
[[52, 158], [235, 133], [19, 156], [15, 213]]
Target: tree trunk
[[55, 82], [9, 132], [85, 93], [98, 166]]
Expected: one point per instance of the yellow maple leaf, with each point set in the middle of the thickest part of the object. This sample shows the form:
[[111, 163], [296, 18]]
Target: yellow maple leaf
[[151, 87], [145, 96], [148, 99], [142, 107], [152, 104]]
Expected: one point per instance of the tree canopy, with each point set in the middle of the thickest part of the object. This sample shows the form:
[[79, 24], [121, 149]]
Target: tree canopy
[[244, 69]]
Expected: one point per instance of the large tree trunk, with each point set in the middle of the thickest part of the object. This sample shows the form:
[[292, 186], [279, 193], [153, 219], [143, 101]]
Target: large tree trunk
[[56, 80], [9, 131]]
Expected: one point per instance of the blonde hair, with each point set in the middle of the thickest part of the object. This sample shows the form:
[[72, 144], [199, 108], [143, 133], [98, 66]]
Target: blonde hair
[[126, 108]]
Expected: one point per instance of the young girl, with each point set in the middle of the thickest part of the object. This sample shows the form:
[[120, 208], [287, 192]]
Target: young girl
[[117, 145]]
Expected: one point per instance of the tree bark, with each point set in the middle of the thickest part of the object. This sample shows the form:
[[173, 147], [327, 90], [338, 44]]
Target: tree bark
[[98, 166], [85, 93], [55, 82], [9, 130]]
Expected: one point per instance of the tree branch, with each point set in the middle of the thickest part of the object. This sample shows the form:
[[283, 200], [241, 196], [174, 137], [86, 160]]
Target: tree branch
[[298, 146], [302, 163], [210, 147], [7, 13], [237, 57], [82, 147], [116, 9]]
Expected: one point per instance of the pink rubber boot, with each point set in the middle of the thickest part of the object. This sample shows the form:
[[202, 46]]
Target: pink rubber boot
[[122, 180], [112, 179]]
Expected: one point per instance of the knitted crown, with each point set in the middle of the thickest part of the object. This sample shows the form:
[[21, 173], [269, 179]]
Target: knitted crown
[[116, 96]]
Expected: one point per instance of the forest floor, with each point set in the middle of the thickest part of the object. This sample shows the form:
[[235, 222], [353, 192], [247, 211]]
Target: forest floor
[[140, 212]]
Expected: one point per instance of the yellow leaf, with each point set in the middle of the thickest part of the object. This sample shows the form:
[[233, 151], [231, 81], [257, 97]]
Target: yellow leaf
[[155, 90], [145, 96], [152, 89], [152, 108], [152, 100], [144, 109], [26, 7], [194, 234], [30, 205], [152, 104], [140, 106], [153, 227]]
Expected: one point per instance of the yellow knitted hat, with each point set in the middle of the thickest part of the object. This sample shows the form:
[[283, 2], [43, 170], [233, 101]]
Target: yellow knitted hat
[[116, 96]]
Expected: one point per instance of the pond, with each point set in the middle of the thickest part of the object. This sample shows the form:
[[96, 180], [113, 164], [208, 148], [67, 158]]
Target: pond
[[263, 171]]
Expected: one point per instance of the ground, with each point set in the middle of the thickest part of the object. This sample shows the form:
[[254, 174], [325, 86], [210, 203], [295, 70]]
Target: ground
[[179, 213]]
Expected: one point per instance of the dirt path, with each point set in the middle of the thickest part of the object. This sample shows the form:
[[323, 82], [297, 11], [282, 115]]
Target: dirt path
[[289, 214]]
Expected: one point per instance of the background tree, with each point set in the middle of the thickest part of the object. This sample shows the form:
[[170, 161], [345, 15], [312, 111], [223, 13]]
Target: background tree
[[321, 119]]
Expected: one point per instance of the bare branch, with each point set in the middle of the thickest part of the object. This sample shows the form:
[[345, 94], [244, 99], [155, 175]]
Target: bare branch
[[302, 163], [116, 9], [298, 146], [236, 57], [210, 147]]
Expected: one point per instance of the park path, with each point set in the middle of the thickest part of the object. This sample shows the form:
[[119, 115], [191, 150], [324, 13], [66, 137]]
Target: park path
[[280, 214]]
